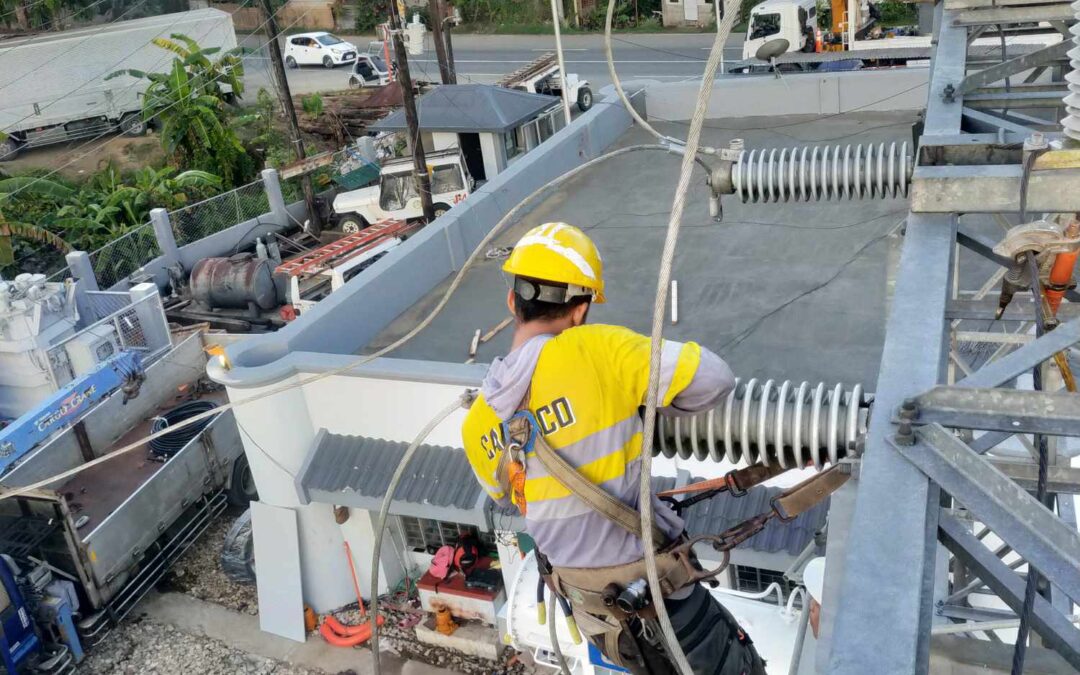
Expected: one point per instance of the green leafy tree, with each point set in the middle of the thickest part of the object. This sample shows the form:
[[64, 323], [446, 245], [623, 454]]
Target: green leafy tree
[[190, 102]]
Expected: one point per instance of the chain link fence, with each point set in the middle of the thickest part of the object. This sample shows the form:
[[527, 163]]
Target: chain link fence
[[120, 258], [136, 326], [213, 215], [106, 303]]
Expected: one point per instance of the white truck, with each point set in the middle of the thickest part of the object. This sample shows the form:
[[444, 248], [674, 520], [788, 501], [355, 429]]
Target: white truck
[[396, 198], [53, 87], [369, 71], [541, 76], [792, 20]]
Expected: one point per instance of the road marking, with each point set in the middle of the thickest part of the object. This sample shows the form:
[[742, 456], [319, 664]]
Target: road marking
[[695, 62], [565, 49]]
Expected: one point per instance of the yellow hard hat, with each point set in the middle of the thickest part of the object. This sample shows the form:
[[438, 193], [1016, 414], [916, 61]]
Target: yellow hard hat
[[560, 253]]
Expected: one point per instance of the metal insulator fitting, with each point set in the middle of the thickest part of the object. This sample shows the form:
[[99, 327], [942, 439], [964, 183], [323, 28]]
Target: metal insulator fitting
[[905, 435], [794, 425]]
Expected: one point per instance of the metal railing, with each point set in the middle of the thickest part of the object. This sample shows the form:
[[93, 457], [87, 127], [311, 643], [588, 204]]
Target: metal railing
[[104, 304], [122, 257], [138, 326], [202, 219]]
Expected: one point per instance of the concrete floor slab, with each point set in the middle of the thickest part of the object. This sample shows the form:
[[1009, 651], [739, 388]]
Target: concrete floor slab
[[242, 632], [788, 291]]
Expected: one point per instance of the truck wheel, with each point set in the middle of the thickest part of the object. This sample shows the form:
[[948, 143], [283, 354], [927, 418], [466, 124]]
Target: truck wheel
[[9, 149], [327, 62], [132, 124], [242, 490], [440, 209], [584, 99], [290, 62], [352, 224], [355, 83], [238, 551]]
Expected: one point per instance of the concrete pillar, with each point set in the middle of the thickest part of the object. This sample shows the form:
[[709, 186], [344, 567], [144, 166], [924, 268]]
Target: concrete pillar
[[272, 185], [166, 240], [82, 272], [155, 328]]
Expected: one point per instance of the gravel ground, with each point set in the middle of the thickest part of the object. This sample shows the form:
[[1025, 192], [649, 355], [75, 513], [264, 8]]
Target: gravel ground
[[140, 647], [199, 574]]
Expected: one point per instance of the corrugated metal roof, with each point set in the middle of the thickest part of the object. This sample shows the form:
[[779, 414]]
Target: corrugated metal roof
[[723, 511], [439, 483], [468, 108], [355, 470]]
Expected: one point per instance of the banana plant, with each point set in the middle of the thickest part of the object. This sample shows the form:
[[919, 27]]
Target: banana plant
[[9, 229]]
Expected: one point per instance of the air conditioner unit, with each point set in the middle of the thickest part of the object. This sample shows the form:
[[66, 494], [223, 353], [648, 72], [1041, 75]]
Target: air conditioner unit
[[90, 347]]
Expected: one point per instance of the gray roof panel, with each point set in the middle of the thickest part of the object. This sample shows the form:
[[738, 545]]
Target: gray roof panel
[[470, 108]]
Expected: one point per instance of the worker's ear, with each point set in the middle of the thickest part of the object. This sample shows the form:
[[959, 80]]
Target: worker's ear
[[580, 313], [510, 302]]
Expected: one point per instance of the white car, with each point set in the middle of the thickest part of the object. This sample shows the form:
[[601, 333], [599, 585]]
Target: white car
[[314, 49]]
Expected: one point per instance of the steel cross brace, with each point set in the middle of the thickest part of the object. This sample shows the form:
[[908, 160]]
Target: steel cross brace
[[1058, 632], [1013, 410], [1031, 529], [1025, 358]]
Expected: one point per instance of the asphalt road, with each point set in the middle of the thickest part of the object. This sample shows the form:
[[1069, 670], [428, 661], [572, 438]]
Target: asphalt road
[[485, 58]]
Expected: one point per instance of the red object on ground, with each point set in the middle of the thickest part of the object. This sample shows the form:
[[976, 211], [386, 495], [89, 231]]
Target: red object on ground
[[340, 635]]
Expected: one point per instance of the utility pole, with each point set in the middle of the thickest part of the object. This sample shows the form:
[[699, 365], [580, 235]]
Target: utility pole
[[416, 144], [447, 30], [435, 11], [562, 65], [290, 112]]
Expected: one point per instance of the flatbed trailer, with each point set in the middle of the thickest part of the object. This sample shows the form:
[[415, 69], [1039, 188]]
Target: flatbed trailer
[[118, 526]]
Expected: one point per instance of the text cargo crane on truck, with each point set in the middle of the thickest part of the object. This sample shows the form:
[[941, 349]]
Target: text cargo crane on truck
[[541, 76]]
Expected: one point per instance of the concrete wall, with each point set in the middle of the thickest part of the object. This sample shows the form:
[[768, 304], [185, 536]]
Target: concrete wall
[[795, 94], [674, 13], [345, 321]]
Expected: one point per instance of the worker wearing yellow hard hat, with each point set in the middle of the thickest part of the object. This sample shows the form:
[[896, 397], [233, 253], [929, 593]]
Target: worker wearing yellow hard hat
[[579, 388]]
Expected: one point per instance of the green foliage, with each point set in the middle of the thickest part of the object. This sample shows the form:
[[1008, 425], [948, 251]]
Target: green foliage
[[369, 13], [744, 10], [824, 15], [312, 105], [190, 103], [896, 13]]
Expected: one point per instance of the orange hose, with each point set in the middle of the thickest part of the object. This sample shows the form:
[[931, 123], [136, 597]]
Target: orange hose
[[358, 634], [341, 630], [355, 584], [1060, 276]]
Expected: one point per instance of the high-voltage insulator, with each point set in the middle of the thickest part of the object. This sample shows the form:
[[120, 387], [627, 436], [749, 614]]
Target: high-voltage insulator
[[793, 425], [820, 173], [1071, 123]]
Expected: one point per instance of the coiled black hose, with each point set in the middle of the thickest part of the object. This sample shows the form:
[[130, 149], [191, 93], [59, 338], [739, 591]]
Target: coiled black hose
[[169, 444]]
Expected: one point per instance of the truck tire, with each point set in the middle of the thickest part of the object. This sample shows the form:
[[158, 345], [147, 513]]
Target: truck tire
[[132, 124], [352, 224], [328, 62], [9, 149], [290, 62], [238, 551], [440, 209], [584, 99], [355, 82], [242, 490]]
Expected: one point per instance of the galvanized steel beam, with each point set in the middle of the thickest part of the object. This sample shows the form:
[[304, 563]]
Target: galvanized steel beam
[[1003, 15], [994, 409], [1027, 526], [1020, 309], [892, 538], [1013, 66], [1025, 358], [992, 189], [1060, 479], [1050, 624]]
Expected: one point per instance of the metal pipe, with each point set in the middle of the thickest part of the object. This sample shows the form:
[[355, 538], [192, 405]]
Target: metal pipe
[[555, 20]]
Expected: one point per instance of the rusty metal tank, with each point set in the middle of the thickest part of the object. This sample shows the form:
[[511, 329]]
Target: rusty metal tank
[[234, 283]]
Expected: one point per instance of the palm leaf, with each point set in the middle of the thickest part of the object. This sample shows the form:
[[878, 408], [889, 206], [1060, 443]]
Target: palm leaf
[[39, 187], [172, 46]]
